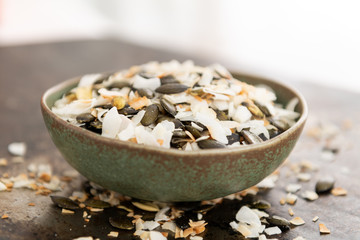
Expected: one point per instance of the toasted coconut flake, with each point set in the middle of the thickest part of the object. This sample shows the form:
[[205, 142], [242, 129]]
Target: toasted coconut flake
[[291, 198], [338, 191], [297, 221], [291, 212], [3, 162], [4, 216], [2, 187], [148, 206], [323, 229], [31, 204], [67, 212], [95, 209], [310, 195], [84, 238], [113, 234], [17, 148], [315, 218], [171, 226]]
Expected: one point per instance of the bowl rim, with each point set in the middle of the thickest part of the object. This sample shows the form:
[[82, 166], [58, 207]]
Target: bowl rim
[[171, 151]]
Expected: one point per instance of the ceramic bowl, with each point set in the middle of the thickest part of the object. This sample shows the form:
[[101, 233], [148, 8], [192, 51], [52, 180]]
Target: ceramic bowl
[[170, 175]]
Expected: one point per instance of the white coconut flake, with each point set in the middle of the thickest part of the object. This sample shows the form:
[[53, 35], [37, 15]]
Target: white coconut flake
[[161, 214], [246, 215], [17, 148], [151, 83], [156, 236], [150, 225], [310, 195], [2, 187], [111, 124], [242, 114], [206, 78], [145, 137], [89, 79], [171, 226], [196, 238], [292, 104], [272, 230], [293, 188]]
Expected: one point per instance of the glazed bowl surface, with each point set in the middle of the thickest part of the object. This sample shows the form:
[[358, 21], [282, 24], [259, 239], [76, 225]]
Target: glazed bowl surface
[[170, 175]]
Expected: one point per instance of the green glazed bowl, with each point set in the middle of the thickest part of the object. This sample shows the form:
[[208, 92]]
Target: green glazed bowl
[[170, 175]]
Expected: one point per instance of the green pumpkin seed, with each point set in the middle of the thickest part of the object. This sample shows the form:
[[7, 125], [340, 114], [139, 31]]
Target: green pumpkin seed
[[279, 123], [255, 111], [151, 114], [64, 202], [234, 137], [263, 109], [170, 108], [196, 133], [171, 88], [97, 203], [278, 221], [221, 115], [325, 184], [261, 204], [128, 111], [179, 134], [122, 222], [118, 85], [85, 118], [210, 143], [96, 125]]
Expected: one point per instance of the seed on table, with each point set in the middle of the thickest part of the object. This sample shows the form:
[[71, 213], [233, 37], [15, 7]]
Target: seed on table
[[210, 143], [64, 202], [171, 88], [278, 221], [150, 116], [170, 108], [261, 204], [97, 203], [121, 222], [118, 102], [324, 184], [128, 111]]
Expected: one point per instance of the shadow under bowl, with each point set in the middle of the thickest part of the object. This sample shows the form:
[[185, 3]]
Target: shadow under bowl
[[170, 175]]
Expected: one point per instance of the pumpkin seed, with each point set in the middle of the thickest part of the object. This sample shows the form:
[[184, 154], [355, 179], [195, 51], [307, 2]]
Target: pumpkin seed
[[273, 131], [255, 111], [325, 184], [128, 111], [85, 118], [234, 137], [168, 79], [196, 133], [278, 221], [64, 202], [170, 108], [96, 125], [104, 106], [118, 102], [263, 109], [221, 115], [151, 114], [261, 204], [121, 222], [250, 137], [279, 123], [97, 203], [146, 92], [203, 208], [177, 122], [210, 143], [146, 206], [179, 134], [171, 88], [118, 85]]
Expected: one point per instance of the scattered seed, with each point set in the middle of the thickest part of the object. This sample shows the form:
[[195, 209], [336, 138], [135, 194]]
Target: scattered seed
[[323, 229], [64, 202], [324, 184], [338, 191], [146, 206], [278, 221], [297, 221], [96, 203], [261, 204], [171, 88], [121, 222]]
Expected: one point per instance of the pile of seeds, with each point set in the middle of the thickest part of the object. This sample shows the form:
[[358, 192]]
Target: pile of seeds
[[178, 105]]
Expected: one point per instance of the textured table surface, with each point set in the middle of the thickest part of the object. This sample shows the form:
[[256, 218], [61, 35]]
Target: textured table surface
[[27, 71]]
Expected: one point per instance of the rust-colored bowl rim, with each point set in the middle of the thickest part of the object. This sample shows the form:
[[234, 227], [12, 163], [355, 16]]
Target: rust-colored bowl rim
[[175, 152]]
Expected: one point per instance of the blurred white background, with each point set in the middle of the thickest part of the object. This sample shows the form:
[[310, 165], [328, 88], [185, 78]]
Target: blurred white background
[[314, 41]]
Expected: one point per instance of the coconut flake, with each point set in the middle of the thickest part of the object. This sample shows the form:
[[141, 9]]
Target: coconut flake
[[171, 226], [89, 79], [111, 124], [310, 195], [297, 221], [150, 225], [293, 188], [2, 187], [161, 215], [17, 148], [242, 114], [272, 230], [151, 83]]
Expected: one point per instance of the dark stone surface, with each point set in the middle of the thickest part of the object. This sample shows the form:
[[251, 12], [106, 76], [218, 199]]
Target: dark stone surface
[[27, 71]]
